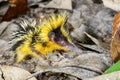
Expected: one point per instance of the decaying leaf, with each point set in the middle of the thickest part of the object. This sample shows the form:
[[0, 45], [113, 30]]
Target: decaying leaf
[[115, 43], [82, 66], [16, 8]]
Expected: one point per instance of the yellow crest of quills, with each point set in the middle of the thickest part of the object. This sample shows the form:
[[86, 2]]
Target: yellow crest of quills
[[34, 37]]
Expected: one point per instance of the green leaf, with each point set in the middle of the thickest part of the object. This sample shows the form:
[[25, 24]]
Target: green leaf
[[115, 67]]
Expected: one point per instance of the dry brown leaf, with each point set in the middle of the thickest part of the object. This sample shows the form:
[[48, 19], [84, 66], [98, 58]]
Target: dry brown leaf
[[16, 8], [115, 43]]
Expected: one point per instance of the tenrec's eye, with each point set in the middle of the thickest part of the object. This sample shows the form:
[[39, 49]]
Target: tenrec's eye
[[51, 36]]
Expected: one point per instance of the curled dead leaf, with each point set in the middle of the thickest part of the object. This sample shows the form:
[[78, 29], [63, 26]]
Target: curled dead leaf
[[115, 42]]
